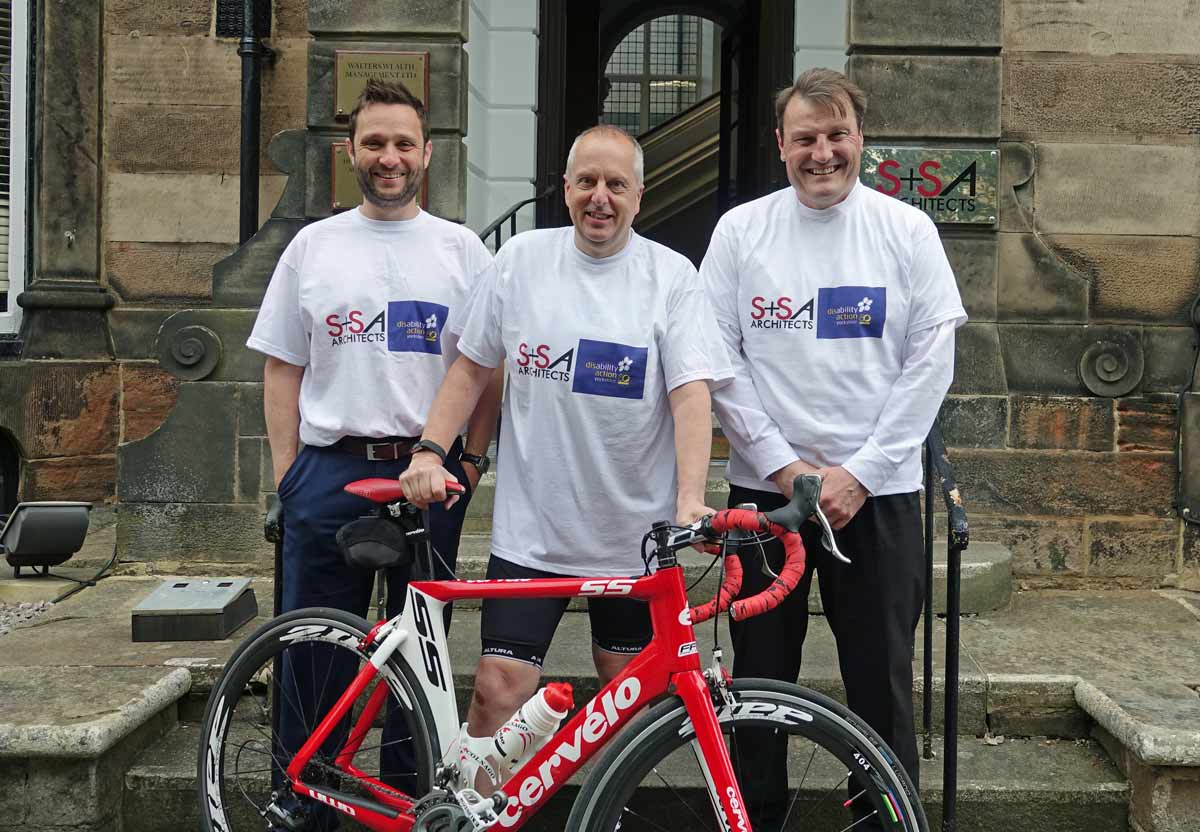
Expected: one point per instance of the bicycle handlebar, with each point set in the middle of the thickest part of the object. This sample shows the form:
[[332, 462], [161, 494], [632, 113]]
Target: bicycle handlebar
[[773, 595], [783, 523]]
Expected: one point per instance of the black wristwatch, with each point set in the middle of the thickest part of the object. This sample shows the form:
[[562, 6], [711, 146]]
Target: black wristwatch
[[427, 445], [480, 461]]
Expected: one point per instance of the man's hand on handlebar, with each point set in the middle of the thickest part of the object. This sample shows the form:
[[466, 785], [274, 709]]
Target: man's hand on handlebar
[[688, 512], [424, 481], [841, 495]]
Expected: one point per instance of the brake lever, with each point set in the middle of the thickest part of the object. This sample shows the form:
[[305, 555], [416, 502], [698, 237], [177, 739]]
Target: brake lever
[[827, 538]]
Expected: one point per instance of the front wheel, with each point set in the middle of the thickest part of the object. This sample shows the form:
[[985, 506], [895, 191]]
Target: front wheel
[[274, 692], [804, 762]]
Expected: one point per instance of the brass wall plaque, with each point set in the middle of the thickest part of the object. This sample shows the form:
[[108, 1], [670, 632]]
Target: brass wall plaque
[[343, 184], [950, 184], [352, 70]]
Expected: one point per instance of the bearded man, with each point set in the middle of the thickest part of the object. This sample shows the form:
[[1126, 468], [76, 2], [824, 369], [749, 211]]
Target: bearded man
[[354, 327]]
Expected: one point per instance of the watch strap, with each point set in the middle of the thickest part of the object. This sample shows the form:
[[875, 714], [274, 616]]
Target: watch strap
[[480, 461], [429, 445]]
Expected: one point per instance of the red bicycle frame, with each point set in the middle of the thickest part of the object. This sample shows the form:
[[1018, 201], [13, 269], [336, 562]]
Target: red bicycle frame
[[670, 663]]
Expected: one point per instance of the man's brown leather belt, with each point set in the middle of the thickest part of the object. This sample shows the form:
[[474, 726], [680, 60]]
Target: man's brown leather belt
[[378, 450]]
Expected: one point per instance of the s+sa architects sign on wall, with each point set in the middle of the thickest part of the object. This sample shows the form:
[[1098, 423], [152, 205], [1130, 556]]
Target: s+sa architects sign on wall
[[950, 184]]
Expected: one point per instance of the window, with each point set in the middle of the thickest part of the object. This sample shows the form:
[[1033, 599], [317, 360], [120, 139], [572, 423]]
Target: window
[[14, 81], [659, 70]]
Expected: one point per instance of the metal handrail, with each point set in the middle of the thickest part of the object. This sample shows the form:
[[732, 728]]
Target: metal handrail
[[938, 467], [494, 227]]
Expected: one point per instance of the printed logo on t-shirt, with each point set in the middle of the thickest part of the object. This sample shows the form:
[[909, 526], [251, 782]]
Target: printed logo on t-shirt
[[608, 369], [538, 360], [355, 328], [415, 326], [851, 311], [781, 312]]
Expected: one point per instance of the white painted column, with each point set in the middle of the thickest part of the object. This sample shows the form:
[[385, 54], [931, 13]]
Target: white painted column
[[821, 34], [501, 98]]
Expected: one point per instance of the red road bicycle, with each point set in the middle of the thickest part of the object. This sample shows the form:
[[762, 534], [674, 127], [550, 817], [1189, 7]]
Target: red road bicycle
[[675, 735]]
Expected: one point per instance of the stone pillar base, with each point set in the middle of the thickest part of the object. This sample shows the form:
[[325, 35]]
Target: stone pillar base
[[66, 320]]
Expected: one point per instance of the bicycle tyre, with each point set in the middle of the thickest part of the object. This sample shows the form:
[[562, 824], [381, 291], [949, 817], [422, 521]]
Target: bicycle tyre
[[657, 744], [237, 718]]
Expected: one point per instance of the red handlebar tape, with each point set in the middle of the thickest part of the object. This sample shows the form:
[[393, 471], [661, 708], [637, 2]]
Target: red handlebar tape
[[772, 596]]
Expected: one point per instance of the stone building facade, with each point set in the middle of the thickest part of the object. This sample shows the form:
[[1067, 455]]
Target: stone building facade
[[131, 386]]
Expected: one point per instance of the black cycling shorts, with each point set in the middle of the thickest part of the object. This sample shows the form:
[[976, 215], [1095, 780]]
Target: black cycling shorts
[[522, 628]]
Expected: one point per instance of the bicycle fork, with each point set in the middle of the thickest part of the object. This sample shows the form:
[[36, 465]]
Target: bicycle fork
[[723, 788]]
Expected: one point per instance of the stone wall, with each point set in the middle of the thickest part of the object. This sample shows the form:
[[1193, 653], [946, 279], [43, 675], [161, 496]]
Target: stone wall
[[171, 166], [192, 492], [1061, 420], [161, 139]]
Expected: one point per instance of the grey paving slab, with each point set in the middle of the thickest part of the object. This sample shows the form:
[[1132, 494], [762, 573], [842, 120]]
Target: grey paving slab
[[93, 629], [1131, 636], [80, 711], [1157, 721]]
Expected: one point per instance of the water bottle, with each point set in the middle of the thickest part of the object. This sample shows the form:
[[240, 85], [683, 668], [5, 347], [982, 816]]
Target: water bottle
[[525, 731], [533, 724]]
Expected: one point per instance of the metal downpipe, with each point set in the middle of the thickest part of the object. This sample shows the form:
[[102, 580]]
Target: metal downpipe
[[249, 48]]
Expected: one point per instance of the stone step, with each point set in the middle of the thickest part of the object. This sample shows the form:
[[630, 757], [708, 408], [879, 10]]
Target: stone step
[[569, 659], [985, 579], [479, 513], [1033, 784]]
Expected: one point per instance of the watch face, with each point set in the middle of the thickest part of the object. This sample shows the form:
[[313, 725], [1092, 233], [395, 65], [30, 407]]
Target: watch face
[[481, 463]]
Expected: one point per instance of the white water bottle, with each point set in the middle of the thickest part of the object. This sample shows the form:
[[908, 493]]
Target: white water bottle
[[527, 730], [533, 724]]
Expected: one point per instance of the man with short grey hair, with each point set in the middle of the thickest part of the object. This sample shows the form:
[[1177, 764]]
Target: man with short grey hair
[[839, 308], [606, 423]]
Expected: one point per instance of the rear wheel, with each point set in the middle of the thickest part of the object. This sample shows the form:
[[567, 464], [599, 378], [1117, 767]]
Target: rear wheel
[[255, 723], [839, 773]]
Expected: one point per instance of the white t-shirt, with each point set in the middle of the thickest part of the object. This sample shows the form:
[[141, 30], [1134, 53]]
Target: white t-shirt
[[592, 348], [363, 305], [842, 323]]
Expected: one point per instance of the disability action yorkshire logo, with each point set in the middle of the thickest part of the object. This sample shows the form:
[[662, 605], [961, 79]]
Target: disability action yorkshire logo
[[851, 312], [605, 368]]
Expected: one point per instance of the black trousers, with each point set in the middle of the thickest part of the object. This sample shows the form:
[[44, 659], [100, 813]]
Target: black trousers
[[872, 605]]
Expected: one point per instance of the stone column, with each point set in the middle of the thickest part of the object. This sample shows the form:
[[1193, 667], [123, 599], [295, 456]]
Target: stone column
[[65, 304]]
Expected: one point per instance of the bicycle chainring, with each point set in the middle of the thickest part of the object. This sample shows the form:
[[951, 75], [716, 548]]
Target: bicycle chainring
[[438, 811]]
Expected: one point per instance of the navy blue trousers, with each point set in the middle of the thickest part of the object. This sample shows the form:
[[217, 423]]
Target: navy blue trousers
[[315, 574]]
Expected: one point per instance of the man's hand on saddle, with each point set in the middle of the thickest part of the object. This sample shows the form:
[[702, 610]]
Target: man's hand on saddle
[[424, 481], [841, 495]]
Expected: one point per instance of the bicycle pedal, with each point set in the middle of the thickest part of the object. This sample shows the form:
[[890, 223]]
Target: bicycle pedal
[[480, 810]]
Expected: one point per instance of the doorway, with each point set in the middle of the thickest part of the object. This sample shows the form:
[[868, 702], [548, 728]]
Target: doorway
[[701, 75]]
